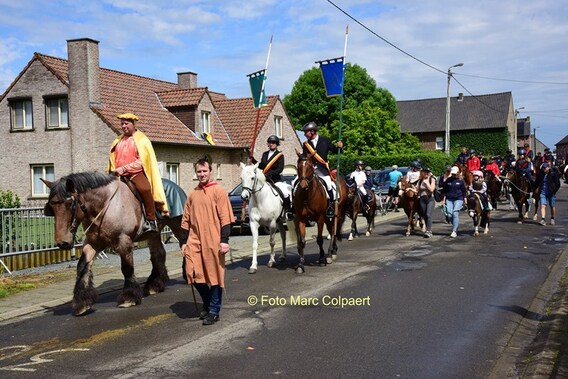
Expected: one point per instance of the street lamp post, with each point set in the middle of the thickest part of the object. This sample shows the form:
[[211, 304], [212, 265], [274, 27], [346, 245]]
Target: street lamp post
[[534, 139], [447, 139]]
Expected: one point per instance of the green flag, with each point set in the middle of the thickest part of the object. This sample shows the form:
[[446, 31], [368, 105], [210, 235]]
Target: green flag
[[256, 81]]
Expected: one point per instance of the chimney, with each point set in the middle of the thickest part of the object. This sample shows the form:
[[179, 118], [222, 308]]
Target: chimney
[[187, 80], [460, 96], [84, 93], [84, 79]]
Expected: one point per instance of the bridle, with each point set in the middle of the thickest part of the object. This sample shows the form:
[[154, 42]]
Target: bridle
[[75, 205], [252, 190], [307, 179]]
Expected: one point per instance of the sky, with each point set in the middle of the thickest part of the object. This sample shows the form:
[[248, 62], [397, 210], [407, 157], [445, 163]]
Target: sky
[[407, 46]]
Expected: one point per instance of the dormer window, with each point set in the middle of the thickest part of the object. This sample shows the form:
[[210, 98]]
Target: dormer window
[[206, 122]]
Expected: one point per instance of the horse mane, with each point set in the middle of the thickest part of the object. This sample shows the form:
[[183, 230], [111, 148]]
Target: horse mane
[[82, 181]]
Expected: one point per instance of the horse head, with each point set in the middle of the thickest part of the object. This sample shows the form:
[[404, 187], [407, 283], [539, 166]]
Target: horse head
[[305, 169], [473, 205], [252, 180]]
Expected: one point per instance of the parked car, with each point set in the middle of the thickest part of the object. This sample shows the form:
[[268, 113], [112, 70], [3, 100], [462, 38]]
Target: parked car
[[381, 182], [237, 202]]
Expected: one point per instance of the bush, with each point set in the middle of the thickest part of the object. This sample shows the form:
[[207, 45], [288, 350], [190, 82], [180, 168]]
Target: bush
[[8, 199]]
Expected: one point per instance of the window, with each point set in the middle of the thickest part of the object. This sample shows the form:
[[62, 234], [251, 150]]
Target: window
[[57, 113], [39, 189], [440, 143], [206, 122], [218, 169], [22, 115], [278, 126], [172, 172]]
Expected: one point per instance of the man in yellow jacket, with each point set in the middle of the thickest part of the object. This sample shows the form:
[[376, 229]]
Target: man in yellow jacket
[[132, 156]]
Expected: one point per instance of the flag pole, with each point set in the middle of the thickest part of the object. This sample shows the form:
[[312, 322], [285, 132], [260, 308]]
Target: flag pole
[[337, 186], [254, 135]]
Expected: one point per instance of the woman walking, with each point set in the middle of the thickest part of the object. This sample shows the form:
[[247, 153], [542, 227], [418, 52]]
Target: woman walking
[[454, 194], [426, 188]]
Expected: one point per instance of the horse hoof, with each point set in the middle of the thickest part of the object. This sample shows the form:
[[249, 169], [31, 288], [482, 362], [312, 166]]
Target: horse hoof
[[333, 257], [300, 270], [322, 262], [329, 236], [253, 270], [271, 264], [281, 259], [152, 291], [476, 234], [329, 260], [126, 304], [407, 234], [81, 311], [368, 234], [535, 218], [519, 222], [486, 232], [350, 237]]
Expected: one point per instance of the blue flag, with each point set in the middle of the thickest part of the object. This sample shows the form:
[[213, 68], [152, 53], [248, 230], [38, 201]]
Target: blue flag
[[256, 81], [332, 73]]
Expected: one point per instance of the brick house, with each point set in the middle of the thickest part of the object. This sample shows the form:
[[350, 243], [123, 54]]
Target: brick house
[[426, 118], [59, 116], [562, 149]]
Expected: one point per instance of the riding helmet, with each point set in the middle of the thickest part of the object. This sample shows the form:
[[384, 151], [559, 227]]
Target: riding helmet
[[359, 163], [472, 151], [309, 126], [522, 152], [274, 139], [368, 168]]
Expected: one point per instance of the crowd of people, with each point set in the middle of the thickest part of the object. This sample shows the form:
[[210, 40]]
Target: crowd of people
[[208, 216]]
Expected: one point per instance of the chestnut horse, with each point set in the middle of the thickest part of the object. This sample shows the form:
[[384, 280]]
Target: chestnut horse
[[111, 216], [479, 215], [310, 203], [410, 203], [354, 206], [493, 188]]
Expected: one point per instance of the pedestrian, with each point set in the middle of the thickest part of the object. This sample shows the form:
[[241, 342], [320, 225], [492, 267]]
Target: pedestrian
[[394, 177], [454, 194], [549, 182], [132, 156], [321, 146], [426, 188], [206, 221]]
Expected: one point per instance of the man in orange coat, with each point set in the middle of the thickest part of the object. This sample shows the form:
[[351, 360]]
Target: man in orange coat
[[206, 221]]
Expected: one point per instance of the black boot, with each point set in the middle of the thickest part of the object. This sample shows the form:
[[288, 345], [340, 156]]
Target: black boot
[[330, 212], [288, 210]]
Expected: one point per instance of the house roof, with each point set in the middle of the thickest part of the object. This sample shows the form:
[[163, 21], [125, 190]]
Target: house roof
[[429, 115], [149, 99], [238, 112], [563, 141]]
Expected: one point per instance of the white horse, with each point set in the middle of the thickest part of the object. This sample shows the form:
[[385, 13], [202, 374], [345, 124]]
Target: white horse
[[265, 209]]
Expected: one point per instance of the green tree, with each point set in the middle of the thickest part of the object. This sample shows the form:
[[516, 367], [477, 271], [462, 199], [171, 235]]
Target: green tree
[[8, 199]]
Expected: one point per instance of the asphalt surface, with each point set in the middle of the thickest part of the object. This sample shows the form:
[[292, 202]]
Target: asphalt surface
[[544, 361]]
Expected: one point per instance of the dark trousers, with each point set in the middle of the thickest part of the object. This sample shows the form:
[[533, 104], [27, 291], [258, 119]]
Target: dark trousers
[[211, 296], [143, 186], [427, 205]]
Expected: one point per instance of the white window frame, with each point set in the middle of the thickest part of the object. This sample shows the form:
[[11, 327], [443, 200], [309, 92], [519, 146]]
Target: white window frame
[[206, 122], [44, 171], [440, 143], [62, 107], [172, 172], [25, 113], [278, 126], [218, 171]]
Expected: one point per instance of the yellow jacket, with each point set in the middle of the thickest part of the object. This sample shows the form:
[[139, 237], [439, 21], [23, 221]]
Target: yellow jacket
[[150, 164]]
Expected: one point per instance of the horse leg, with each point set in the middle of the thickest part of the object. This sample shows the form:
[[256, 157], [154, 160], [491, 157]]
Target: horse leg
[[131, 292], [84, 294], [272, 242], [485, 223], [332, 249], [301, 244], [282, 230], [353, 232], [319, 240], [254, 231], [159, 276]]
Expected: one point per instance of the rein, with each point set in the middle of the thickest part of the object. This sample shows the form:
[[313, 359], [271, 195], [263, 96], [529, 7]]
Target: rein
[[102, 211], [253, 190]]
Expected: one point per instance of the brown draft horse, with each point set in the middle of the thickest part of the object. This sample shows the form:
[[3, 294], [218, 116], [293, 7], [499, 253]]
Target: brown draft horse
[[410, 203], [520, 191], [355, 206], [310, 203], [479, 215], [111, 216]]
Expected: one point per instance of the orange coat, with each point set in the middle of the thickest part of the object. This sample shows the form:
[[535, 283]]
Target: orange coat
[[206, 211]]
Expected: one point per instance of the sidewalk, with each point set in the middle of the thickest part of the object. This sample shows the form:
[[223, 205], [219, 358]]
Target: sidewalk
[[47, 297]]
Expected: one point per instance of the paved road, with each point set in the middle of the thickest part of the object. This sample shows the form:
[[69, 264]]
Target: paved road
[[417, 308]]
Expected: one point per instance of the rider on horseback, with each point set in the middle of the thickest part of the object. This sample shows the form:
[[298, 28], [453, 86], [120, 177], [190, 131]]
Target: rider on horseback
[[360, 179], [473, 162], [462, 157], [479, 186], [132, 156], [525, 167], [321, 146], [272, 165]]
